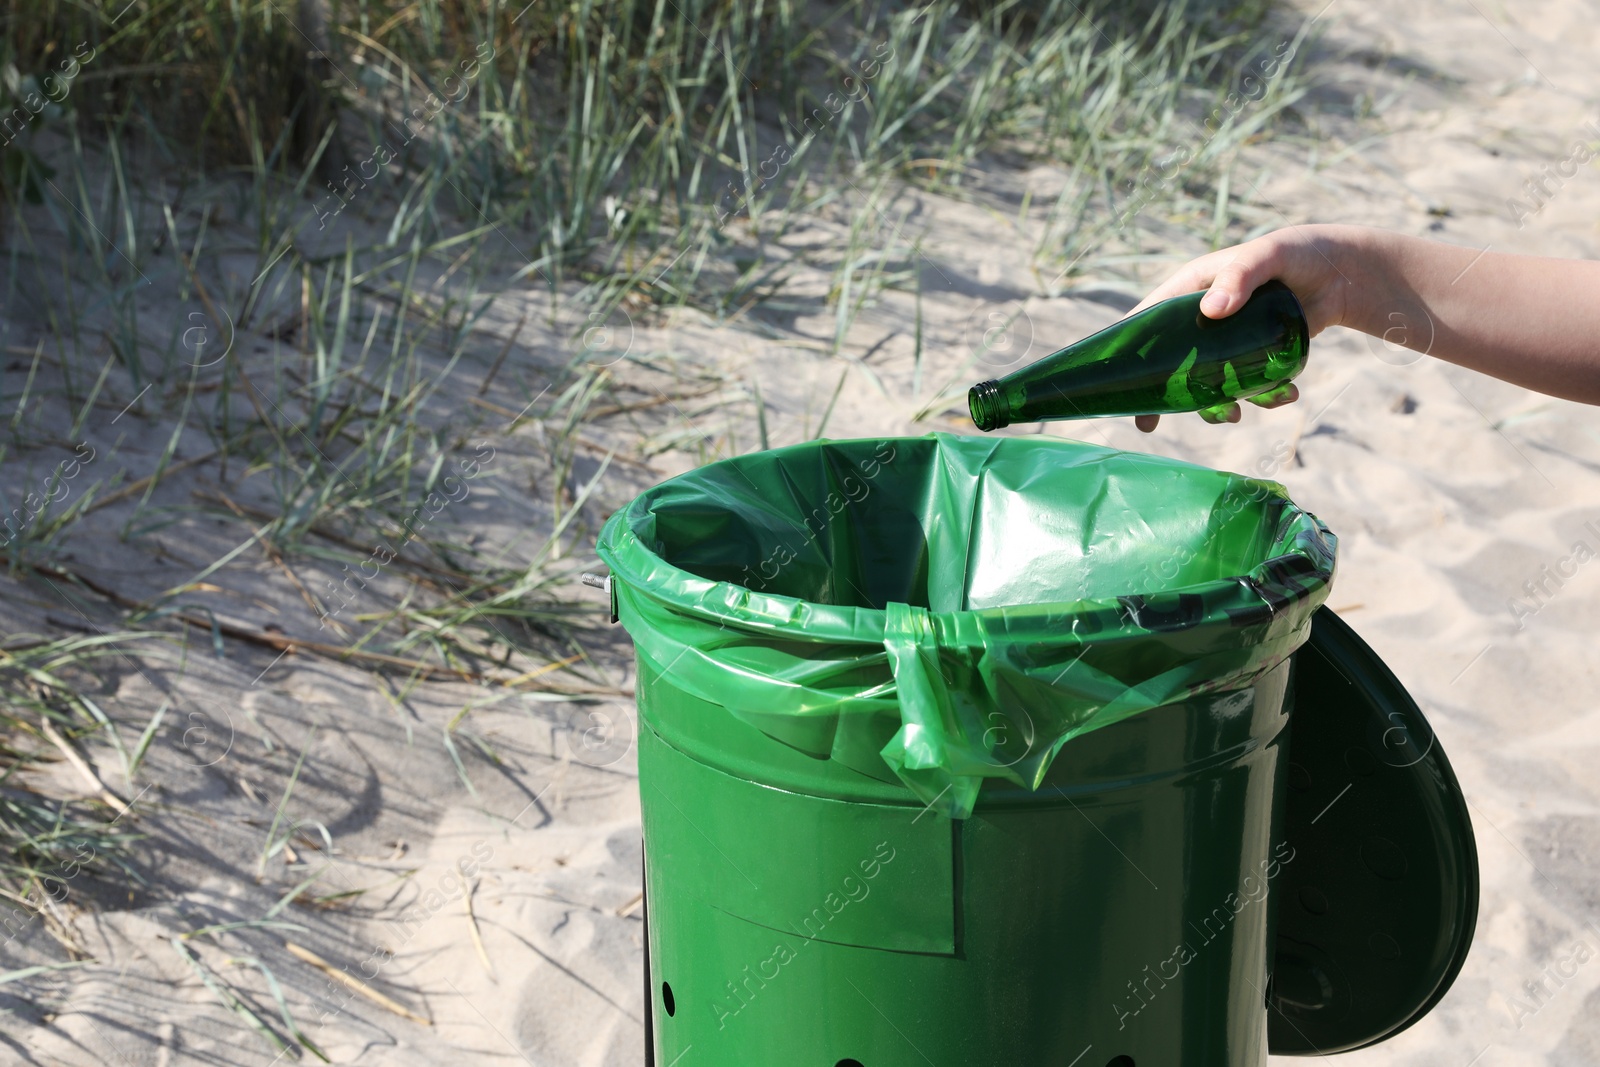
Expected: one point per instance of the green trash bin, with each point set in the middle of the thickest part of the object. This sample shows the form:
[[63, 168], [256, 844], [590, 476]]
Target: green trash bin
[[962, 751]]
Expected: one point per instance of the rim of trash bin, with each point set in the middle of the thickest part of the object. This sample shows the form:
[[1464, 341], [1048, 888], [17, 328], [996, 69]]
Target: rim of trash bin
[[1301, 565]]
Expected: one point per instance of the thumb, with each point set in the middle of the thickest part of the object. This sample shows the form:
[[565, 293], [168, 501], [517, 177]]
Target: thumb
[[1232, 287]]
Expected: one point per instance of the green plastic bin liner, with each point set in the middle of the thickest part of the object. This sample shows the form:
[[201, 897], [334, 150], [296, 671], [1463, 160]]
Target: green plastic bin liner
[[988, 598], [962, 751]]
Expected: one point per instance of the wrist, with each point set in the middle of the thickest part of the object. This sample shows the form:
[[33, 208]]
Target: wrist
[[1364, 260]]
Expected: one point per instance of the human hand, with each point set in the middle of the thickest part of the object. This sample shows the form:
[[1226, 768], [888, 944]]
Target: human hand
[[1311, 260]]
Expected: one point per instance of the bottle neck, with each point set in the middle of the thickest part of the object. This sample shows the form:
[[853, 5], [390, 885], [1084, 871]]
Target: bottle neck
[[988, 411]]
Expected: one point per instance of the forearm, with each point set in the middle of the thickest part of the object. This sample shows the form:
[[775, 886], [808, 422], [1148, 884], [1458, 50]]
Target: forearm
[[1531, 321]]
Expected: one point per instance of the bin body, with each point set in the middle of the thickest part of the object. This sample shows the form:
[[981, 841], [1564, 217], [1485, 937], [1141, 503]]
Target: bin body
[[960, 752], [1122, 909]]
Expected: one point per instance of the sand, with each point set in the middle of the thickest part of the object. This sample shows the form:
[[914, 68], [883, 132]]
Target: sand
[[1449, 491]]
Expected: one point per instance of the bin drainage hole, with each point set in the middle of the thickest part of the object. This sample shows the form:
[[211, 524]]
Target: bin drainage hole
[[672, 1007], [1121, 1061], [848, 1063]]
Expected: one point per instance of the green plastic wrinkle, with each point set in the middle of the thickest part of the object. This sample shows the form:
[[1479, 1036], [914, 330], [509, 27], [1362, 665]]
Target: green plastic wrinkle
[[952, 609]]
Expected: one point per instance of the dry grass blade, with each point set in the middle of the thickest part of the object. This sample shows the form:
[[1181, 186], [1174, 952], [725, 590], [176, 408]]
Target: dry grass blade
[[85, 771], [655, 401], [135, 488], [505, 351], [472, 928], [352, 983], [546, 669], [631, 905], [355, 655]]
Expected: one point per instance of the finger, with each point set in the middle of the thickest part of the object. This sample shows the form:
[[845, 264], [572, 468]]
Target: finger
[[1146, 423], [1276, 398], [1235, 281], [1191, 277], [1222, 413]]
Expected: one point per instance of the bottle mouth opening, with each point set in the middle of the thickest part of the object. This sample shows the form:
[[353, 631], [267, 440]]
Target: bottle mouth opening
[[983, 402]]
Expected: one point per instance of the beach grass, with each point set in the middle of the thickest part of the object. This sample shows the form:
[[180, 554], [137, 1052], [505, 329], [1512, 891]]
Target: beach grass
[[352, 211]]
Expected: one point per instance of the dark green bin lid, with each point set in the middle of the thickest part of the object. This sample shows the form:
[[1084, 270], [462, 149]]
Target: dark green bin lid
[[1377, 908]]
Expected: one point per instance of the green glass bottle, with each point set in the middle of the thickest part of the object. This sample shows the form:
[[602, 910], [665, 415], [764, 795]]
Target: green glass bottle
[[1167, 358]]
